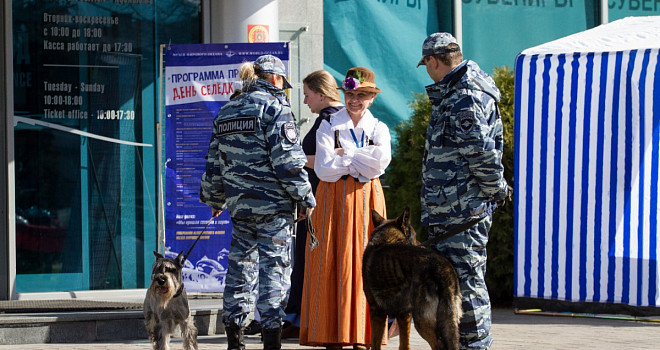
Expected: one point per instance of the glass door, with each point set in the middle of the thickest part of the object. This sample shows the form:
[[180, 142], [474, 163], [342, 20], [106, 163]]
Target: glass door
[[86, 189]]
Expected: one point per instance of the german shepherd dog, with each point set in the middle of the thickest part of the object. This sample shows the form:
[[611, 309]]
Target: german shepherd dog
[[405, 281]]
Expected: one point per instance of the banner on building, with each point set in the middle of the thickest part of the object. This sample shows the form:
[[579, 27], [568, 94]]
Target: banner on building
[[388, 41], [199, 79]]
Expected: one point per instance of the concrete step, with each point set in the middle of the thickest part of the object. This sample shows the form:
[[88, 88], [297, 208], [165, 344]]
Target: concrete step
[[96, 325]]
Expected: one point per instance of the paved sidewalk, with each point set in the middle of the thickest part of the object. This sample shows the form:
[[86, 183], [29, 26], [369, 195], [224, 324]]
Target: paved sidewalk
[[511, 331]]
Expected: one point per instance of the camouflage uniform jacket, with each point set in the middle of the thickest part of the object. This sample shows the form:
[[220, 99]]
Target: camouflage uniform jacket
[[462, 172], [255, 162]]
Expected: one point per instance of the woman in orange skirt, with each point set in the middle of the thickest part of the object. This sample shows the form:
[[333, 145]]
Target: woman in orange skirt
[[353, 149]]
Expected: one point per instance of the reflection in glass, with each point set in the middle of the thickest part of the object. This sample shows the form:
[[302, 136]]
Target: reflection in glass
[[86, 207]]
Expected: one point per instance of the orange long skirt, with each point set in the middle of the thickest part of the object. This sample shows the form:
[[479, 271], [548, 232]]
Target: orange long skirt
[[334, 308]]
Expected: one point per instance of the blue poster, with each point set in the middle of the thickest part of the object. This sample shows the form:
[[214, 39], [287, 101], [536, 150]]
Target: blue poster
[[199, 79]]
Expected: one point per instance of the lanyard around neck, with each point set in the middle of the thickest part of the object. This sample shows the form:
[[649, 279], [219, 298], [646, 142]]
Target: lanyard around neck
[[358, 144]]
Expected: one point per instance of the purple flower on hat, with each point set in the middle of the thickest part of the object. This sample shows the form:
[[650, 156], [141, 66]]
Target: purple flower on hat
[[350, 83]]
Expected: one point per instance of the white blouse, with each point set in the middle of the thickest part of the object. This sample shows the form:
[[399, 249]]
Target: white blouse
[[364, 163]]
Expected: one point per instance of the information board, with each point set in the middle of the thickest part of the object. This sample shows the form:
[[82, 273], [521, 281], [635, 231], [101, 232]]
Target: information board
[[199, 79]]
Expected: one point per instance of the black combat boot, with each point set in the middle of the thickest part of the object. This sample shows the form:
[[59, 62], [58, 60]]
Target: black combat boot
[[235, 339], [272, 338]]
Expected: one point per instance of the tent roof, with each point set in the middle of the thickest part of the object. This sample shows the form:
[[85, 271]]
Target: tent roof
[[629, 33]]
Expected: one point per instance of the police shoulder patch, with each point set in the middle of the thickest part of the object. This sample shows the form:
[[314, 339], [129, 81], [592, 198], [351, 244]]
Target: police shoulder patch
[[466, 121], [290, 132]]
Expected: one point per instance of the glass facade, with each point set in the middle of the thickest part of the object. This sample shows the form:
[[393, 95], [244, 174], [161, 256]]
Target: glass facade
[[86, 143]]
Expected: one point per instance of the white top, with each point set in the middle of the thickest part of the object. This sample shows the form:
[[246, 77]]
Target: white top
[[630, 33], [364, 163]]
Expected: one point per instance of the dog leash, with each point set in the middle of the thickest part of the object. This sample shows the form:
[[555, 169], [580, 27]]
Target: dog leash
[[313, 241], [185, 257], [456, 230]]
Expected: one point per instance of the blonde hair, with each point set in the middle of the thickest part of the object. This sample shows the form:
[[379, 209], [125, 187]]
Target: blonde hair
[[322, 82], [248, 75]]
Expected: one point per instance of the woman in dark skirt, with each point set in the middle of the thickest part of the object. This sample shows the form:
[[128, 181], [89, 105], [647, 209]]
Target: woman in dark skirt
[[322, 97]]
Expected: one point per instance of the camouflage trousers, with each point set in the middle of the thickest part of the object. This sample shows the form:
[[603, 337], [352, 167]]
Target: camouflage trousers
[[467, 250], [259, 257]]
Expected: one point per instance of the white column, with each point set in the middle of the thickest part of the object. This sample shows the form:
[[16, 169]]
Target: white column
[[458, 22], [231, 21], [604, 12]]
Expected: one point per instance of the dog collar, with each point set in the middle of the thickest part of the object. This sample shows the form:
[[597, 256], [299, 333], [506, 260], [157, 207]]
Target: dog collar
[[178, 291]]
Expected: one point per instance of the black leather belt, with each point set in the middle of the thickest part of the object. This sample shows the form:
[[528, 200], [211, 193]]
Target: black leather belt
[[456, 230]]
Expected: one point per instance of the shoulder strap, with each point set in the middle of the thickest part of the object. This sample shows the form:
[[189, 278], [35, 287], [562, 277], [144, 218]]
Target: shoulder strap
[[496, 113], [369, 140], [337, 144]]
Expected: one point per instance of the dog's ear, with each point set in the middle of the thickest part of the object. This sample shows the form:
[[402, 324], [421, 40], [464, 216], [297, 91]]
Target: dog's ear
[[404, 219], [157, 255], [406, 216], [403, 222], [179, 258], [376, 218]]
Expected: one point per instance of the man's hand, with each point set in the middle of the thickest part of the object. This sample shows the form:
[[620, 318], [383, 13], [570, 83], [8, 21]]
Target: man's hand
[[215, 212], [313, 241], [509, 193], [507, 198], [303, 214]]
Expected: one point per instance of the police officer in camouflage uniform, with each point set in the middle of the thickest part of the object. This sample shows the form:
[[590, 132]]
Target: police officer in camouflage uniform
[[254, 166], [462, 174]]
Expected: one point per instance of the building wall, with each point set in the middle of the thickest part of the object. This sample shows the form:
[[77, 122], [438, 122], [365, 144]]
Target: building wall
[[5, 147], [301, 23]]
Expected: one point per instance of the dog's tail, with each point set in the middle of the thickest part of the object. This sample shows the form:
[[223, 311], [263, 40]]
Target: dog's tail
[[449, 313], [439, 288]]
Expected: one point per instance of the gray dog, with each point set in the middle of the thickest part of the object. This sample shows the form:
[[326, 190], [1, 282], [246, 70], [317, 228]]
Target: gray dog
[[166, 305]]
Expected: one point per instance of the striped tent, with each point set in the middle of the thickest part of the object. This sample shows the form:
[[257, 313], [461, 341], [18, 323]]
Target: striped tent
[[587, 135]]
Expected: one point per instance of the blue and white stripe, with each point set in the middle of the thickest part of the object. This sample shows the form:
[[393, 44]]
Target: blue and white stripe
[[587, 137]]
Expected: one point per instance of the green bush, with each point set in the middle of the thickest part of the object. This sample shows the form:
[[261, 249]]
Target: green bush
[[404, 174], [403, 180], [499, 275]]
